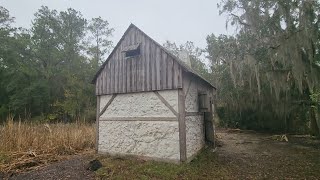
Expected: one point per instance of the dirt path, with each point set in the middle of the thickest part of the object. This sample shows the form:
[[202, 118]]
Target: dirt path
[[257, 156], [74, 168], [241, 155]]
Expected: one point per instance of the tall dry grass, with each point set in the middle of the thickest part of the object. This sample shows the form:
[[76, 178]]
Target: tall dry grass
[[56, 138], [23, 140]]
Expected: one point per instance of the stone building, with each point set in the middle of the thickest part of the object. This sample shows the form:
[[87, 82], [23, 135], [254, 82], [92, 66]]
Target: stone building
[[151, 103]]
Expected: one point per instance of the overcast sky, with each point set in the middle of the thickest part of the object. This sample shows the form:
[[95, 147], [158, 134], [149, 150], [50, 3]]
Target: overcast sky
[[175, 20]]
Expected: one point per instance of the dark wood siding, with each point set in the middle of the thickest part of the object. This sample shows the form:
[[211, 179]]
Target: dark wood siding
[[152, 70]]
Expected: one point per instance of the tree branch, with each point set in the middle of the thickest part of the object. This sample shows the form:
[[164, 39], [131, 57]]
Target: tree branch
[[240, 21]]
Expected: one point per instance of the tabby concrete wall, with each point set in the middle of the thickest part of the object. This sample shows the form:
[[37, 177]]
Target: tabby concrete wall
[[195, 130], [140, 124]]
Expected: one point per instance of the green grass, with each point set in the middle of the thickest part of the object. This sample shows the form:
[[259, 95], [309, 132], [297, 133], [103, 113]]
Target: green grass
[[204, 166]]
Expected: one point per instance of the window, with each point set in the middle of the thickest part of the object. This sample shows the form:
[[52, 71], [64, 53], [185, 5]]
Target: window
[[132, 51], [204, 102]]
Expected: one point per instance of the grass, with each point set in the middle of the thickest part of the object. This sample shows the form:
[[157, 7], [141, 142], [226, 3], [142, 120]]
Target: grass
[[25, 145], [205, 166]]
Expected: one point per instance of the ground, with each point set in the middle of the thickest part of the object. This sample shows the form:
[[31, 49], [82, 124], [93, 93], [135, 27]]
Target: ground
[[239, 155]]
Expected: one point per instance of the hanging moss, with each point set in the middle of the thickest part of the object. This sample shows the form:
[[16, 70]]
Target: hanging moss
[[271, 64]]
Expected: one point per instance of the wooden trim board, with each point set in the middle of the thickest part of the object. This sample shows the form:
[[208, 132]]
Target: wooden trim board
[[108, 104], [139, 119], [194, 113], [182, 126], [97, 122], [166, 103]]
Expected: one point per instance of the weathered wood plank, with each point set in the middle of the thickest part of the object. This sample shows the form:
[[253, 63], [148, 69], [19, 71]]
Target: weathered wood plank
[[164, 70], [109, 77], [170, 72], [120, 72], [137, 40], [175, 74], [134, 74], [180, 82], [105, 80], [125, 64], [149, 68], [112, 75], [129, 76], [158, 67], [154, 69], [116, 73], [97, 85], [142, 63], [146, 63], [100, 84], [124, 72]]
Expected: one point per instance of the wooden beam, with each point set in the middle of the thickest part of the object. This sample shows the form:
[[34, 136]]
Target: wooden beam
[[194, 113], [108, 104], [182, 126], [209, 127], [165, 102], [97, 123], [139, 119]]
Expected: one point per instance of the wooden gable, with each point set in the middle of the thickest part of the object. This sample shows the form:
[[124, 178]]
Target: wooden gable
[[153, 69]]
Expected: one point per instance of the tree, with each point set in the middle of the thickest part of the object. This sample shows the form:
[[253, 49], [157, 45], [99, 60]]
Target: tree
[[272, 61], [99, 36], [45, 73], [58, 45], [196, 56], [5, 18], [5, 39]]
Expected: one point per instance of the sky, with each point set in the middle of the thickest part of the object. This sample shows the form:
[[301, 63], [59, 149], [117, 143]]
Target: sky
[[175, 20]]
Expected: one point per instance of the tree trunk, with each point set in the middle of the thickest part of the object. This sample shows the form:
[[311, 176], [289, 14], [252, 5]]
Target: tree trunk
[[317, 117], [315, 121]]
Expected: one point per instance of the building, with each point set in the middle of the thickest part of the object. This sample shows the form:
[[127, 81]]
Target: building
[[151, 103]]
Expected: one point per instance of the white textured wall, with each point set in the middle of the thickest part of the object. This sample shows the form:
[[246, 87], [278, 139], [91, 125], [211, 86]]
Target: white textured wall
[[157, 139], [145, 104], [195, 136], [104, 100], [192, 104]]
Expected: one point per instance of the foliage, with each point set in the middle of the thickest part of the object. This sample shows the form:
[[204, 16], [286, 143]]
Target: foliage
[[45, 70], [99, 34], [196, 56], [268, 70]]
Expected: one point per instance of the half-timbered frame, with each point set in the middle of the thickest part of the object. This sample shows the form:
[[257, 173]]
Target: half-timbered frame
[[148, 102]]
